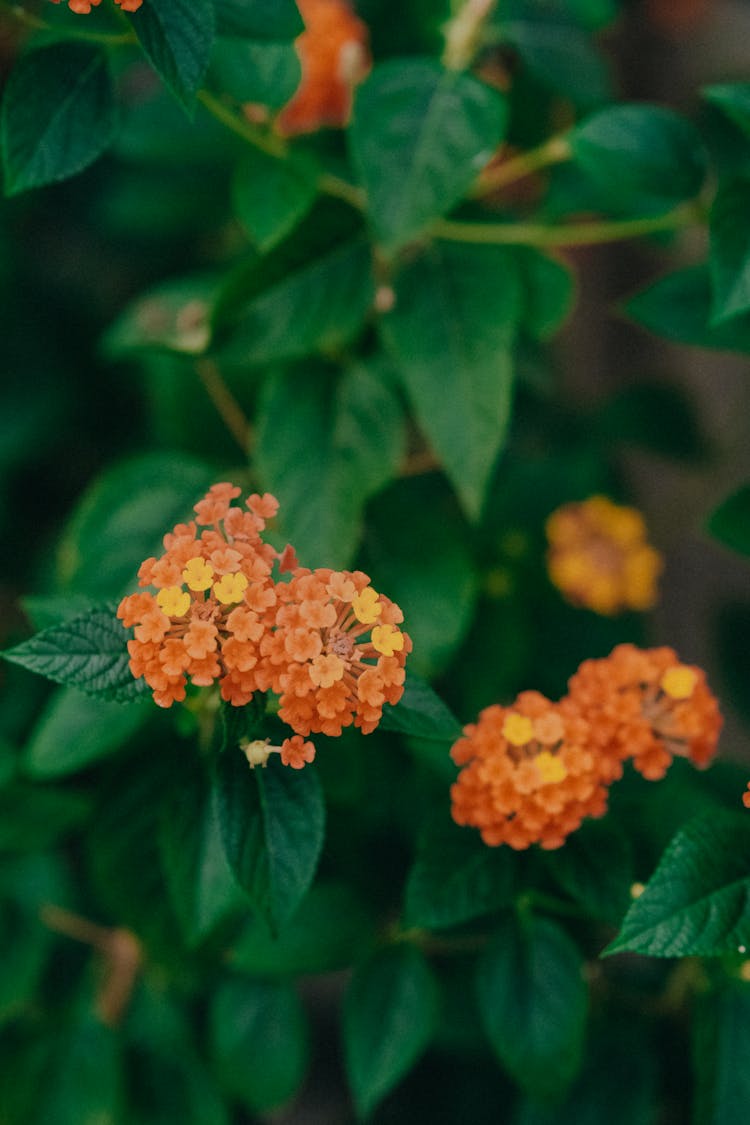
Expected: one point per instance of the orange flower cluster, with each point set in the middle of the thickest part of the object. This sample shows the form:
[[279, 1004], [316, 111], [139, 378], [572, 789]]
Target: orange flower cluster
[[531, 772], [334, 57], [649, 707], [83, 7], [599, 557], [324, 640]]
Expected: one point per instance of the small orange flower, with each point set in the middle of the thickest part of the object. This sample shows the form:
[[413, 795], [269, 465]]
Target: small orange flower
[[328, 672], [645, 705], [215, 599], [746, 797], [529, 773], [334, 57], [83, 7], [599, 557]]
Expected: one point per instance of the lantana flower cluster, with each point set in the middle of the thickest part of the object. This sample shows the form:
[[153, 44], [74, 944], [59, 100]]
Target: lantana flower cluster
[[83, 7], [230, 609], [599, 556], [533, 771]]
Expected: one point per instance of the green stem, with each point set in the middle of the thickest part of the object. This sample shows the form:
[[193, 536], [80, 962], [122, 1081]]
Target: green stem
[[569, 234], [556, 150]]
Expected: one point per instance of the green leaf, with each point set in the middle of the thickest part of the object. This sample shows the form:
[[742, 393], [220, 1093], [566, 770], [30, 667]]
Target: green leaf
[[657, 417], [421, 713], [729, 258], [678, 307], [722, 1042], [359, 445], [317, 308], [83, 1084], [390, 1012], [32, 817], [417, 552], [76, 730], [88, 652], [53, 129], [259, 1041], [259, 19], [198, 877], [26, 882], [177, 36], [420, 135], [44, 610], [641, 151], [263, 73], [451, 332], [595, 867], [559, 55], [733, 98], [272, 824], [271, 196], [331, 930], [173, 316], [455, 877], [730, 522], [698, 900], [122, 519], [732, 629], [533, 1001], [548, 292]]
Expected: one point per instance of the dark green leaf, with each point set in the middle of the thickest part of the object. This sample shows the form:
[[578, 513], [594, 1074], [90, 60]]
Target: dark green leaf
[[262, 73], [272, 824], [420, 136], [421, 713], [641, 151], [678, 307], [698, 900], [271, 196], [455, 877], [76, 730], [595, 867], [53, 129], [359, 445], [259, 1041], [390, 1011], [317, 308], [331, 930], [559, 54], [451, 332], [83, 1085], [88, 652], [411, 522], [259, 19], [732, 628], [198, 877], [722, 1042], [548, 292], [729, 259], [730, 522], [733, 98], [32, 816], [533, 1001], [654, 416], [177, 36], [122, 519], [238, 723]]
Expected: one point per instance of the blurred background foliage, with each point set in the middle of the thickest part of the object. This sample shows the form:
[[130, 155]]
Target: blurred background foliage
[[421, 370]]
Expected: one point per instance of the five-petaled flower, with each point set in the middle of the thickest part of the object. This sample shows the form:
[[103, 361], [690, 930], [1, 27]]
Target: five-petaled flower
[[599, 556]]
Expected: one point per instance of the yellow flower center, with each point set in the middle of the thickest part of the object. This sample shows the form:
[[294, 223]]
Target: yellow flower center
[[366, 607], [550, 768], [386, 639], [518, 729], [198, 574], [230, 588], [174, 601], [679, 682]]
